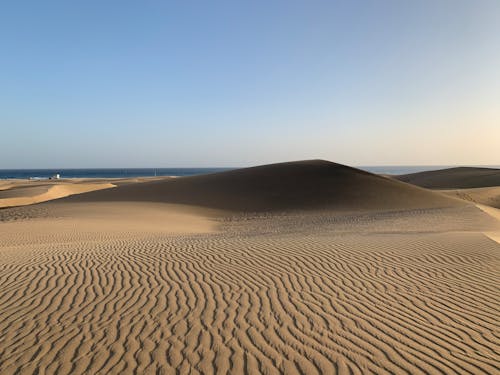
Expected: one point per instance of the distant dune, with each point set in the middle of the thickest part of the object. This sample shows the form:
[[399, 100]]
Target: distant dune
[[454, 178], [26, 194], [285, 186]]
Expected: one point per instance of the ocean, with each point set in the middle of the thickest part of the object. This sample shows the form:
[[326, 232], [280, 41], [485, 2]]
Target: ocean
[[104, 172], [149, 172]]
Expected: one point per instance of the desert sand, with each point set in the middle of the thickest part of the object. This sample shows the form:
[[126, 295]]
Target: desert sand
[[297, 268], [21, 196], [488, 196]]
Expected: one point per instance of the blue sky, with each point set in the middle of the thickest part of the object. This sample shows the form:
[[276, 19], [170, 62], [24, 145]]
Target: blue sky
[[234, 83]]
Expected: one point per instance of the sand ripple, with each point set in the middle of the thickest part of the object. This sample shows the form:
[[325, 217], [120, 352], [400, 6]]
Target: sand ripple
[[314, 303]]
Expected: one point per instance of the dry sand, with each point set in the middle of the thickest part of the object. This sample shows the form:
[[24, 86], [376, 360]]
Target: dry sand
[[24, 193], [489, 196], [322, 269], [20, 192], [495, 213]]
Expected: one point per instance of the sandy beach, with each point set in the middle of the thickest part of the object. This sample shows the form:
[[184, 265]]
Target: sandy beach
[[307, 267]]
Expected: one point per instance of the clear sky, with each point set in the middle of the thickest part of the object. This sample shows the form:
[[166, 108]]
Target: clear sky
[[233, 83]]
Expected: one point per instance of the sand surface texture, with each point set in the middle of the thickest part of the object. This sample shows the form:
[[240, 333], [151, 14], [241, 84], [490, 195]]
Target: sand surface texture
[[297, 268], [488, 196]]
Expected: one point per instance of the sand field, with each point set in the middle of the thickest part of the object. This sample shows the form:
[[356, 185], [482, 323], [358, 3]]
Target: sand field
[[91, 285]]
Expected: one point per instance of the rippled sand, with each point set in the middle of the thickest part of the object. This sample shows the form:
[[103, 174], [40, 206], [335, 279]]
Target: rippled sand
[[288, 294]]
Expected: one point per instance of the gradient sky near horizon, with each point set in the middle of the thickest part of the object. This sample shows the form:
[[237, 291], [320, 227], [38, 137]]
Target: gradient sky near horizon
[[236, 83]]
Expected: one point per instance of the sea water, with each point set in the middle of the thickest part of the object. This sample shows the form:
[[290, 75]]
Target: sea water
[[104, 172], [150, 172]]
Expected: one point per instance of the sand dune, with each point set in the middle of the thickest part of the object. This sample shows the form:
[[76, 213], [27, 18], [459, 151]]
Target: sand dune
[[15, 195], [26, 192], [297, 185], [454, 178], [139, 284]]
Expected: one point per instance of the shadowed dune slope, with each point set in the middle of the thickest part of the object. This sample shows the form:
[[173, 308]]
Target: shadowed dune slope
[[295, 185], [454, 178]]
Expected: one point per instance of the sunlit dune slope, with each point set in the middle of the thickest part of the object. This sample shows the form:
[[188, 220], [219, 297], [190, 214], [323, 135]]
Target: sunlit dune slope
[[23, 196], [489, 196]]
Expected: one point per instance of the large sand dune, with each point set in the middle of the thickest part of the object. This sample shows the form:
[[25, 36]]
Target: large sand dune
[[298, 185], [454, 178], [315, 268]]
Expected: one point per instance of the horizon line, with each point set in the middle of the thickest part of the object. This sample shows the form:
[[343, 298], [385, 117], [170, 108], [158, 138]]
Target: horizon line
[[254, 165]]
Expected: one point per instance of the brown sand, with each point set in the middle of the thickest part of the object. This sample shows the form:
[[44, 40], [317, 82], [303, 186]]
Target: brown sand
[[299, 284], [454, 178]]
